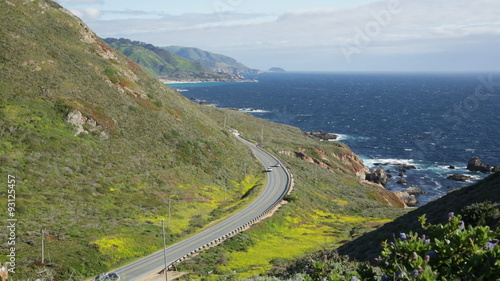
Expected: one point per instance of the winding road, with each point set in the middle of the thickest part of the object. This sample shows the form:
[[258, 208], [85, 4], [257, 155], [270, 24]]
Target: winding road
[[278, 185]]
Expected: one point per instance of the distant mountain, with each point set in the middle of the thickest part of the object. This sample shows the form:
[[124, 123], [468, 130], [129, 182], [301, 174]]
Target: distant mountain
[[216, 62], [276, 69], [165, 64]]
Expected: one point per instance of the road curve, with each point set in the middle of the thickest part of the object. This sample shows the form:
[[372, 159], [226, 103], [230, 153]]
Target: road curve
[[278, 185]]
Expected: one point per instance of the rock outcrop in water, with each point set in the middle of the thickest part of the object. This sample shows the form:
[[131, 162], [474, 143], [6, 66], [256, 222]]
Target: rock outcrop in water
[[321, 135], [459, 177], [476, 165]]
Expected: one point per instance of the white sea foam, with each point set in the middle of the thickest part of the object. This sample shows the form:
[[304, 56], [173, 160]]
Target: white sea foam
[[253, 110], [370, 162], [340, 137]]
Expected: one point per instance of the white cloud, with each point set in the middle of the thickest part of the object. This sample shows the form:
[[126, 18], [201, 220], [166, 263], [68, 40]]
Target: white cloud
[[402, 28], [87, 13]]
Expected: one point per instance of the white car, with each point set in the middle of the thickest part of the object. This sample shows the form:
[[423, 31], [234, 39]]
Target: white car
[[110, 276], [269, 169]]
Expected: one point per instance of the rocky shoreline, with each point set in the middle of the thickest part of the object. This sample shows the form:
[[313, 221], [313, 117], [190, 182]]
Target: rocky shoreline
[[409, 195]]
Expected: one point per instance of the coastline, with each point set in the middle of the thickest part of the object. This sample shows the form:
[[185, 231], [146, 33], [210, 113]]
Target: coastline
[[193, 81]]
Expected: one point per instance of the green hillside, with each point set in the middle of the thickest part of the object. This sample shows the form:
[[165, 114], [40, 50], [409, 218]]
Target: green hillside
[[163, 63], [100, 194], [216, 62], [97, 148]]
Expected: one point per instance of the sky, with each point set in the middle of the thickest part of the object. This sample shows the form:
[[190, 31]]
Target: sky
[[313, 35]]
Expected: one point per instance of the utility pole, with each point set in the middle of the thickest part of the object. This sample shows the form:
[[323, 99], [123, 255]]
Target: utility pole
[[168, 223], [225, 188], [262, 134], [164, 249], [43, 248]]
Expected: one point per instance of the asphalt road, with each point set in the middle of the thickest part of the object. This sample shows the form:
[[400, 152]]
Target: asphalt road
[[278, 184]]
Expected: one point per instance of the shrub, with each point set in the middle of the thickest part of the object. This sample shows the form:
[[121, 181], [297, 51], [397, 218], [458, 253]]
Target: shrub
[[480, 213], [447, 252]]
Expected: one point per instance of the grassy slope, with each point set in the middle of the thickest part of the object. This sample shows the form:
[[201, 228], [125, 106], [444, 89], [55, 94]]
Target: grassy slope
[[367, 247], [101, 199], [98, 198]]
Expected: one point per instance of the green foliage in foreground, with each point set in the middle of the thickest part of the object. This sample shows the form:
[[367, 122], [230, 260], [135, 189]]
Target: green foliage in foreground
[[449, 251]]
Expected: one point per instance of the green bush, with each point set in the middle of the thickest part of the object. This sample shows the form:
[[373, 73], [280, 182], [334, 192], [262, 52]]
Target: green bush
[[480, 213], [447, 252]]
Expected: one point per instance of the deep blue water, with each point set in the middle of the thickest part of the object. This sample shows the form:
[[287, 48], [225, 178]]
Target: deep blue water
[[428, 120]]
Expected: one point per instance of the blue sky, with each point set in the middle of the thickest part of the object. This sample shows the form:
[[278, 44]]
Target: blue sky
[[314, 35]]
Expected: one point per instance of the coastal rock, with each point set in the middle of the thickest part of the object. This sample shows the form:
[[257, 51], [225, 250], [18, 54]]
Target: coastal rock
[[405, 167], [402, 181], [321, 135], [459, 177], [476, 165], [377, 176], [409, 199], [414, 190]]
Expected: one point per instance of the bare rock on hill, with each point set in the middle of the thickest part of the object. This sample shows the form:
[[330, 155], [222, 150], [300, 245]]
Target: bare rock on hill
[[377, 176]]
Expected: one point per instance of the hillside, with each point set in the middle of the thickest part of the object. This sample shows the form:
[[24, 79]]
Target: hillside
[[367, 247], [165, 64], [98, 148], [216, 62]]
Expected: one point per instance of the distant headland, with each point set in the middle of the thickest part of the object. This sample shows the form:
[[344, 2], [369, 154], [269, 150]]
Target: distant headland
[[276, 69]]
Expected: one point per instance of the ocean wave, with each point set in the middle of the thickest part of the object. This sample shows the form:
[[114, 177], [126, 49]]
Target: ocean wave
[[340, 137], [370, 162], [253, 110]]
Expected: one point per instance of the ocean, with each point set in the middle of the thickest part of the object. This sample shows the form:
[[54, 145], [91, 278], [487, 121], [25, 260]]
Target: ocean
[[432, 121]]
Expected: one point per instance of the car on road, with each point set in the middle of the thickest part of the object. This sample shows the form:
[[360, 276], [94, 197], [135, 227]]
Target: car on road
[[269, 169], [110, 276]]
